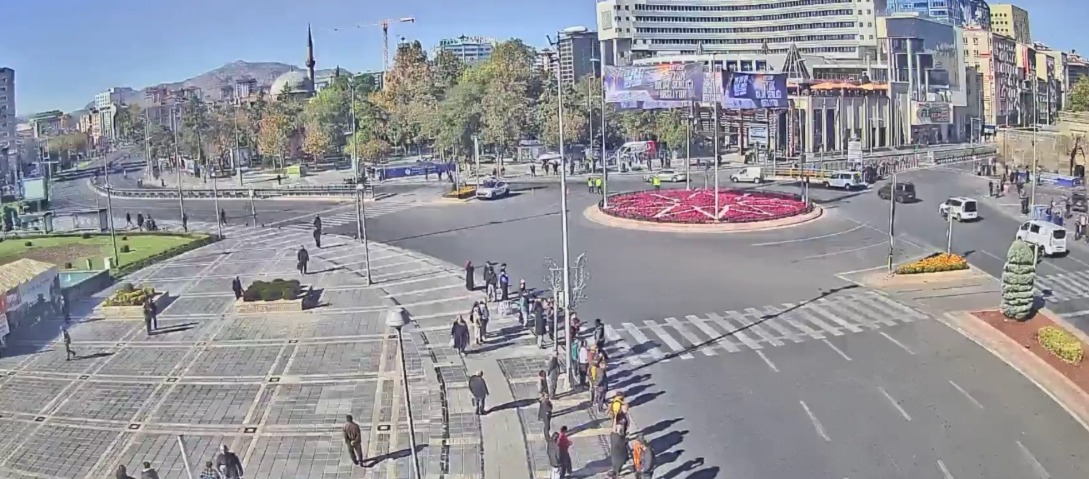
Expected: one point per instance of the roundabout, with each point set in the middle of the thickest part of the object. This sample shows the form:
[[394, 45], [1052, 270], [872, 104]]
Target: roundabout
[[695, 211]]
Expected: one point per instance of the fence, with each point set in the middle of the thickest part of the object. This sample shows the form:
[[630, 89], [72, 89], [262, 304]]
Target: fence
[[331, 191]]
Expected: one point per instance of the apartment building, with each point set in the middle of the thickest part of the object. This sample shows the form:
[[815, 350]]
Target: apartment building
[[7, 121], [638, 29], [959, 13], [1012, 21], [577, 54], [994, 56], [471, 50]]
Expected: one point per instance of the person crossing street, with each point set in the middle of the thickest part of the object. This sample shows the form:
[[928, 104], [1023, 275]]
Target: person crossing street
[[303, 258], [70, 354], [317, 231]]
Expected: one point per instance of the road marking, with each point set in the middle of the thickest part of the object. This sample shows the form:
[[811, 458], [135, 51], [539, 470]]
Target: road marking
[[898, 343], [767, 360], [644, 341], [1036, 466], [774, 321], [798, 240], [715, 336], [732, 330], [818, 310], [691, 338], [756, 327], [1075, 314], [945, 470], [849, 251], [816, 423], [834, 348], [894, 403], [614, 337], [965, 393], [807, 315], [883, 303], [670, 342]]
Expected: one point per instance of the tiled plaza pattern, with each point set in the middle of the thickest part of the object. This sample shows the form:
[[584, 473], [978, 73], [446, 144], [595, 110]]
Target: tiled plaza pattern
[[274, 387]]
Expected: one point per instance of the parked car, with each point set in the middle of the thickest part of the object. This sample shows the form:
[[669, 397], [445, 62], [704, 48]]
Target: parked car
[[491, 189], [1049, 237], [847, 180], [669, 176], [961, 208], [905, 192], [1078, 204]]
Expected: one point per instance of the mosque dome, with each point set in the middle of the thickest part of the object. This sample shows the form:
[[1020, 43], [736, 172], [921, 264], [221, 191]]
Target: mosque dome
[[292, 82]]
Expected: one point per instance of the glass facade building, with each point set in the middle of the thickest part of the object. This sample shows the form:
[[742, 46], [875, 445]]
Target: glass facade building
[[954, 12]]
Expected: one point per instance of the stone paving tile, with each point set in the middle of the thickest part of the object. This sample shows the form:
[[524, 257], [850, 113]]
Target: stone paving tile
[[106, 401], [356, 298], [172, 286], [233, 361], [233, 268], [187, 305], [294, 457], [60, 451], [465, 460], [172, 272], [219, 285], [447, 284], [177, 330], [144, 362], [253, 254], [207, 404], [30, 395], [306, 404], [268, 327], [464, 425], [53, 359], [335, 358], [164, 454], [101, 330], [341, 278], [15, 432], [330, 325]]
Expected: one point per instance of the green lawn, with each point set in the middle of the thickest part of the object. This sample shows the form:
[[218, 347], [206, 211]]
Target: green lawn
[[76, 250]]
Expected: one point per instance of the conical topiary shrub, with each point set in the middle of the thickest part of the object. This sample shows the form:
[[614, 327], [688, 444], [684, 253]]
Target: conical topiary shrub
[[1018, 281]]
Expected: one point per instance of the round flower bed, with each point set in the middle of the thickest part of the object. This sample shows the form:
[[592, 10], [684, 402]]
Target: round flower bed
[[935, 263], [698, 206]]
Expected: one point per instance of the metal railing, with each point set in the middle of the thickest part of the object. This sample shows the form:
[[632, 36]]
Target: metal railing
[[330, 191]]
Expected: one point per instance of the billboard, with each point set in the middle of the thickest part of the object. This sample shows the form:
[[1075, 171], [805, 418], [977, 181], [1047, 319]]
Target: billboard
[[934, 46], [34, 189], [654, 86], [751, 91], [932, 113]]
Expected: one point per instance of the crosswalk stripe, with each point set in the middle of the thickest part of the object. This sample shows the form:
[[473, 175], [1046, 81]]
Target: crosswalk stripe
[[905, 313], [667, 339], [706, 349], [799, 325], [732, 330], [757, 328], [847, 315], [1044, 284], [860, 312], [807, 315], [818, 310], [775, 321], [718, 337], [644, 341], [622, 346], [1070, 288]]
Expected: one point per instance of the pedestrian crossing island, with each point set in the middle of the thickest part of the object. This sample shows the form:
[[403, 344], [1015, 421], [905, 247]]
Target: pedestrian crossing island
[[754, 329]]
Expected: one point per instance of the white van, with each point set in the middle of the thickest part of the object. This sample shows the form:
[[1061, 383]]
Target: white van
[[1048, 236], [752, 174], [847, 180], [962, 209]]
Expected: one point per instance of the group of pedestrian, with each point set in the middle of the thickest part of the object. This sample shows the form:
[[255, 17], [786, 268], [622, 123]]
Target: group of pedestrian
[[595, 184], [142, 223], [473, 332], [225, 465]]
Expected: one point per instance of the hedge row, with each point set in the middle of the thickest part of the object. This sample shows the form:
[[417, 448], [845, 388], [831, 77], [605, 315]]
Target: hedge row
[[134, 266], [275, 290]]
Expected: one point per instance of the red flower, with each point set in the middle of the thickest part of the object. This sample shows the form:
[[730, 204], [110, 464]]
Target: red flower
[[698, 206]]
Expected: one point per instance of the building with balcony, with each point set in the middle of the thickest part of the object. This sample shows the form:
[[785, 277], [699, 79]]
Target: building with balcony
[[576, 55], [7, 120], [959, 13], [746, 31], [995, 57], [47, 124], [1012, 21], [470, 50]]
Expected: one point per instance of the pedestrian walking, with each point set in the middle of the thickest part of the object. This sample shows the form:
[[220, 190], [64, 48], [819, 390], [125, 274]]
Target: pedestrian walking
[[147, 319], [491, 280], [990, 188], [140, 220], [128, 219], [470, 270], [228, 463], [590, 185], [539, 322], [553, 450], [600, 383], [474, 325], [122, 472], [544, 413], [222, 217], [279, 180], [564, 443], [618, 453], [185, 222], [642, 458], [657, 182], [152, 313], [210, 472], [599, 185], [542, 383], [236, 286], [148, 472], [599, 334], [483, 316], [459, 335], [479, 388], [317, 231], [553, 374], [583, 362], [353, 438], [303, 257], [70, 353], [504, 285]]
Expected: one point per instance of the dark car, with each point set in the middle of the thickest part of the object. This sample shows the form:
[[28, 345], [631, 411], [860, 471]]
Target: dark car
[[1077, 203], [905, 192]]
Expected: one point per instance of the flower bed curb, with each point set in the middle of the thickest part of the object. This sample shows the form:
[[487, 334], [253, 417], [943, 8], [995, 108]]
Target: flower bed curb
[[278, 306], [131, 312], [1053, 383], [594, 213]]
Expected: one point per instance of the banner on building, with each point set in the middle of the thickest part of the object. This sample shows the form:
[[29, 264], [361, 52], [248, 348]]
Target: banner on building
[[933, 113], [750, 91], [654, 86]]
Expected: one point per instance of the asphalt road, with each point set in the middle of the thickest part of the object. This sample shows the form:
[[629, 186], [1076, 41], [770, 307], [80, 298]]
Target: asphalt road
[[876, 398]]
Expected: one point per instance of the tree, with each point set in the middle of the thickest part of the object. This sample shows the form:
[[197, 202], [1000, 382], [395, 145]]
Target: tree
[[671, 127], [317, 141], [274, 135], [129, 123], [408, 98], [575, 119], [1079, 96], [1018, 281], [510, 89], [447, 69]]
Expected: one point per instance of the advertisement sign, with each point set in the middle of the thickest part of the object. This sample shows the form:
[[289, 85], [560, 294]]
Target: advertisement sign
[[934, 47], [34, 189], [12, 301], [758, 135], [933, 113], [418, 169], [641, 85], [750, 91]]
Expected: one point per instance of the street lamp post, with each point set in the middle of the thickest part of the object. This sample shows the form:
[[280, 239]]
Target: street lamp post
[[718, 148], [397, 318], [688, 147], [361, 227], [177, 162], [604, 158], [355, 158], [109, 213]]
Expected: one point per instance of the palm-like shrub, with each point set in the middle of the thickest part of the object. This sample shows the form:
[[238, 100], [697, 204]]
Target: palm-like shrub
[[1018, 281]]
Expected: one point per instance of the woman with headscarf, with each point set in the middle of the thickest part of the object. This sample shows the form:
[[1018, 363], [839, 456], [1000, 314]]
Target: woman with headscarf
[[459, 333], [469, 271]]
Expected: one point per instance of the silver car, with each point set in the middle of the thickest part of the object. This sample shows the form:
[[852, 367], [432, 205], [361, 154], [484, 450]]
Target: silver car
[[669, 176], [491, 189]]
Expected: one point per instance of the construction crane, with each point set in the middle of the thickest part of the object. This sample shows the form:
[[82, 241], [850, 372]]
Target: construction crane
[[384, 24]]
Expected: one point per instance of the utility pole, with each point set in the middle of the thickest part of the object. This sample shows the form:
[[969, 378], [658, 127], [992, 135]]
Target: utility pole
[[355, 141], [604, 157], [174, 123], [892, 220], [688, 147], [361, 228], [949, 233], [718, 146], [147, 141], [476, 158]]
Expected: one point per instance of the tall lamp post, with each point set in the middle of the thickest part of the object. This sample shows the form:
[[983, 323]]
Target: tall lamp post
[[361, 227], [177, 161], [109, 212], [397, 318], [604, 157]]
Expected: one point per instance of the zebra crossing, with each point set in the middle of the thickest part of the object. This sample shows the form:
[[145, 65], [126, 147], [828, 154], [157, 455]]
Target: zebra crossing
[[753, 329], [1057, 288], [371, 209]]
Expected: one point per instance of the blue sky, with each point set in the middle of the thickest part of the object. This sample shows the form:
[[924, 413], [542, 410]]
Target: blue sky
[[65, 51]]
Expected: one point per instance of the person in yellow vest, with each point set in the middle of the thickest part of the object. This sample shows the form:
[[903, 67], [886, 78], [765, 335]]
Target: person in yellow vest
[[590, 184], [599, 184], [657, 182]]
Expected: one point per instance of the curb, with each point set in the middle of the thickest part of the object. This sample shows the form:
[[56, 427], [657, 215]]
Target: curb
[[1063, 391], [594, 214]]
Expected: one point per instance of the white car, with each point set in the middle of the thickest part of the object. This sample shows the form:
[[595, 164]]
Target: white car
[[1049, 237], [668, 176], [491, 189], [961, 209]]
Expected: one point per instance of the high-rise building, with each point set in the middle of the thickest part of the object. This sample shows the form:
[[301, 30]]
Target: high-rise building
[[7, 120], [637, 29], [1012, 21], [577, 52], [958, 13], [995, 56], [470, 50], [113, 96]]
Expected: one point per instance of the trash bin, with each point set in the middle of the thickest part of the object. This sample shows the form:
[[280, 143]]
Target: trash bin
[[107, 263]]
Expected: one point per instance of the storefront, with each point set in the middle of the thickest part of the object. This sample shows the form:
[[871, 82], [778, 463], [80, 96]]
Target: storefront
[[31, 292]]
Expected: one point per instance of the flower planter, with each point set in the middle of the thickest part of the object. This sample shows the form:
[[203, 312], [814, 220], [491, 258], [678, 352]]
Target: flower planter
[[132, 312], [276, 306], [698, 206]]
